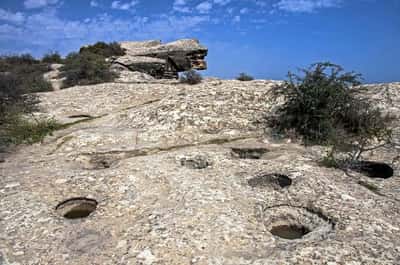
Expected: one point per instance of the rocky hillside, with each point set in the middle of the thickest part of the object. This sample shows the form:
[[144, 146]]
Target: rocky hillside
[[166, 173]]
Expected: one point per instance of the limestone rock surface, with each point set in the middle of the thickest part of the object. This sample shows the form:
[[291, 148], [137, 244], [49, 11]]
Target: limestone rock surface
[[175, 172]]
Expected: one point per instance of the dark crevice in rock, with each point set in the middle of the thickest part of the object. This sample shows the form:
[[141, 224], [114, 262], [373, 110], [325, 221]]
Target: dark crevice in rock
[[143, 104], [248, 153], [78, 116], [121, 64], [125, 154], [69, 124]]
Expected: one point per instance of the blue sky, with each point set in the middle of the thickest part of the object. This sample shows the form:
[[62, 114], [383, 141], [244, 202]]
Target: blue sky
[[264, 38]]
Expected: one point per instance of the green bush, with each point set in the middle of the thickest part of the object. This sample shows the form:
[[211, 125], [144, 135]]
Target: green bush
[[104, 49], [26, 73], [86, 68], [19, 130], [244, 77], [10, 90], [321, 107], [12, 62], [191, 77], [20, 75], [52, 57]]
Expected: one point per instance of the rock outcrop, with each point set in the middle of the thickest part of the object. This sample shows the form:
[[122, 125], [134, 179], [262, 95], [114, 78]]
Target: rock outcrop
[[165, 173], [161, 60], [147, 61]]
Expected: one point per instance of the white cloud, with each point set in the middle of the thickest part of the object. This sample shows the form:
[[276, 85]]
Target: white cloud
[[244, 10], [222, 2], [180, 2], [6, 29], [180, 6], [204, 7], [305, 6], [46, 30], [236, 19], [11, 17], [124, 6], [259, 21], [30, 4], [94, 3], [183, 9], [260, 3]]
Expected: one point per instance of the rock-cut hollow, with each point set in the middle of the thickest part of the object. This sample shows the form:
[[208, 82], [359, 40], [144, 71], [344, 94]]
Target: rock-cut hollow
[[76, 208]]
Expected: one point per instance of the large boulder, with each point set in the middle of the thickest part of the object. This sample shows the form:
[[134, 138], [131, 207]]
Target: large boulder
[[162, 60]]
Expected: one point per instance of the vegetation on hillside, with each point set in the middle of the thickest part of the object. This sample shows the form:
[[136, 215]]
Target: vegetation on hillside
[[26, 130], [191, 77], [20, 76], [320, 107], [244, 77], [85, 69], [52, 57], [23, 73], [104, 49], [90, 66]]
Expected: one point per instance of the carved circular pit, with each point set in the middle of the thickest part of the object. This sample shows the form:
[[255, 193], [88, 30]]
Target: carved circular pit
[[76, 208], [374, 169], [270, 179], [289, 231], [297, 223]]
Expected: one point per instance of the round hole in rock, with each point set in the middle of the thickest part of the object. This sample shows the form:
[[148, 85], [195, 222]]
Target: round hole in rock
[[374, 169], [297, 222], [263, 180], [76, 208], [249, 153], [289, 231], [98, 161], [103, 164]]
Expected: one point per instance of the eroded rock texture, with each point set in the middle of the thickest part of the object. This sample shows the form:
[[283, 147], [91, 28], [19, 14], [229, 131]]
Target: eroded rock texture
[[162, 60], [164, 173]]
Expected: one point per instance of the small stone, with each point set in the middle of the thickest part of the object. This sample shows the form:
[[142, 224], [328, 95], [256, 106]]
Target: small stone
[[195, 260], [122, 244], [61, 181], [12, 185], [19, 253], [43, 220], [147, 257], [197, 161]]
